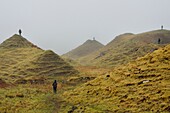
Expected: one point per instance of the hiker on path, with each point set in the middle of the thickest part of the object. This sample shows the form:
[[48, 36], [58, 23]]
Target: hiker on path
[[20, 31], [159, 41], [54, 86]]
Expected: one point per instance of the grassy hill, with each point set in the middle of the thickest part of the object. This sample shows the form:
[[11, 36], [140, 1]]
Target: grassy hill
[[127, 47], [86, 48], [16, 41], [27, 73], [140, 86], [20, 58]]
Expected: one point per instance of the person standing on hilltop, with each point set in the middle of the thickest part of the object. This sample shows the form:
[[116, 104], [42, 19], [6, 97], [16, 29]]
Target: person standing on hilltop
[[162, 27], [54, 86], [20, 32]]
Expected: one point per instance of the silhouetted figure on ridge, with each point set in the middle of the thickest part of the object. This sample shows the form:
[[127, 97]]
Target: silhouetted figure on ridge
[[162, 27], [54, 86], [159, 41], [20, 32]]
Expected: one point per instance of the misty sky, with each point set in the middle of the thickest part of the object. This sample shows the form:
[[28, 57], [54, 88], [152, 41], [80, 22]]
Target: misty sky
[[62, 25]]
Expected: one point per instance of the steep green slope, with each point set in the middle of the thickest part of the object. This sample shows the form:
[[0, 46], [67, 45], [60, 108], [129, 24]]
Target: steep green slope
[[127, 47], [140, 86], [86, 48], [20, 58]]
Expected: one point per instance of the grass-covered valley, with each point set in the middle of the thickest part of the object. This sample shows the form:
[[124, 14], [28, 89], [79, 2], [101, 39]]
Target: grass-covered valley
[[131, 74]]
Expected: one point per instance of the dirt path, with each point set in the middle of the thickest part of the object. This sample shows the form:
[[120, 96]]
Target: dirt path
[[56, 101]]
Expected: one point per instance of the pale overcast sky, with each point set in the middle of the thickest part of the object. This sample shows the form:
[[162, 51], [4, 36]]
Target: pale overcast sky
[[62, 25]]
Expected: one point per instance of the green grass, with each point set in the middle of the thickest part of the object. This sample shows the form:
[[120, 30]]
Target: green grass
[[25, 98]]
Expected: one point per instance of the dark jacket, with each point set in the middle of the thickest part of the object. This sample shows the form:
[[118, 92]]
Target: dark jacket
[[55, 84]]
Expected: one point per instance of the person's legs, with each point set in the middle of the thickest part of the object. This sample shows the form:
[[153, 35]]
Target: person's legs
[[54, 89]]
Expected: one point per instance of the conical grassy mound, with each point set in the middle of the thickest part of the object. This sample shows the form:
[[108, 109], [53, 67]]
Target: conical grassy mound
[[48, 63], [16, 41], [140, 86], [20, 58], [85, 49]]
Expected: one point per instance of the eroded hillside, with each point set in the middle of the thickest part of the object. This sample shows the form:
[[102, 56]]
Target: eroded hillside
[[140, 86]]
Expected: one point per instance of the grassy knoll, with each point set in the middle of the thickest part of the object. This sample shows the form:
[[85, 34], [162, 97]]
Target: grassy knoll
[[26, 75], [86, 48], [20, 59], [140, 86], [125, 48]]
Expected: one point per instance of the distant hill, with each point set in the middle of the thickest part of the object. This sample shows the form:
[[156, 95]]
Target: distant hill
[[127, 47], [20, 58], [86, 48], [140, 86]]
